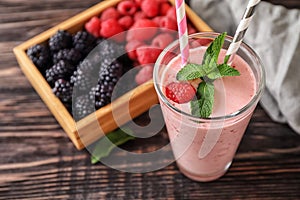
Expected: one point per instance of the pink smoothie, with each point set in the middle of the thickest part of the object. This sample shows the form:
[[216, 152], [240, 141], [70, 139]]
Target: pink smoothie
[[204, 151]]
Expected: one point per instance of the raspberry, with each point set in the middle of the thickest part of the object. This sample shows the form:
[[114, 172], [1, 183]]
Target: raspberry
[[162, 40], [110, 13], [172, 13], [93, 26], [168, 23], [110, 28], [138, 2], [191, 29], [139, 15], [205, 42], [144, 23], [144, 75], [73, 56], [147, 54], [60, 40], [84, 42], [131, 47], [200, 42], [126, 22], [40, 56], [127, 7], [150, 8], [142, 30], [164, 8], [180, 92], [157, 19]]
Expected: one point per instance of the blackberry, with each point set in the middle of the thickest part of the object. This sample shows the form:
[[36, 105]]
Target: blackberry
[[112, 51], [84, 42], [86, 76], [126, 84], [127, 63], [110, 72], [71, 55], [101, 94], [109, 48], [63, 90], [109, 75], [95, 58], [62, 69], [40, 56], [110, 67], [60, 40], [82, 107]]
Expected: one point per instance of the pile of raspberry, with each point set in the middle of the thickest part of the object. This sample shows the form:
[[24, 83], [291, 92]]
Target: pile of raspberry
[[146, 27]]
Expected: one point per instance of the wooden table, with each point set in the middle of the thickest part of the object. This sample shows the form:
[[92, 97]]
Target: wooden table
[[38, 161]]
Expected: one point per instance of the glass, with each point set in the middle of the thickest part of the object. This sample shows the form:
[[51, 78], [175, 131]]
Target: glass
[[204, 147]]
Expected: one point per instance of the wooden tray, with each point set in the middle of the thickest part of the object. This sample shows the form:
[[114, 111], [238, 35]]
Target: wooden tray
[[86, 131]]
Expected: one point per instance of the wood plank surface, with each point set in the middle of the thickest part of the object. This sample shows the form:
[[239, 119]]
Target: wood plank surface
[[38, 161]]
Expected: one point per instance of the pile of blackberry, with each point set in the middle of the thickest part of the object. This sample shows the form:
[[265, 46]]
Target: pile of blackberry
[[74, 67], [100, 72]]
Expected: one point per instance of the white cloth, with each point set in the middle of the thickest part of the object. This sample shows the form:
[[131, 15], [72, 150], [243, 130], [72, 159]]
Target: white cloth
[[274, 34]]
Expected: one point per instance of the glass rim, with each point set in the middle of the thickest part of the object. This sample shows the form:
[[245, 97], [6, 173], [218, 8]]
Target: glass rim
[[242, 110]]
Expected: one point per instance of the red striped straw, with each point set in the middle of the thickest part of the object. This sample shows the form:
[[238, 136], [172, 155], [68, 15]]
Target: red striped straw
[[182, 31]]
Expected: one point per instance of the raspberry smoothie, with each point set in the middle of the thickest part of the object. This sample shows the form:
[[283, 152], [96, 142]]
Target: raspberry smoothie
[[204, 148]]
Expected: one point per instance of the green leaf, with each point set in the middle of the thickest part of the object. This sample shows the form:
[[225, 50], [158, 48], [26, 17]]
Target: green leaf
[[222, 70], [106, 144], [226, 59], [227, 70], [212, 52], [190, 71], [214, 73], [203, 106]]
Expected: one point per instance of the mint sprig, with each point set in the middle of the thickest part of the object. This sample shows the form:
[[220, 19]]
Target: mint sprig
[[204, 105], [106, 144], [208, 72]]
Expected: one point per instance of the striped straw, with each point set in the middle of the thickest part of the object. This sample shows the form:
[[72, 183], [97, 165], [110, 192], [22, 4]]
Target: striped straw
[[182, 31], [241, 30]]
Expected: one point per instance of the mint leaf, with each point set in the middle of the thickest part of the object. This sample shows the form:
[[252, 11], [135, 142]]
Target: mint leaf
[[227, 70], [212, 52], [214, 73], [106, 144], [203, 106], [222, 70], [190, 71], [226, 59]]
